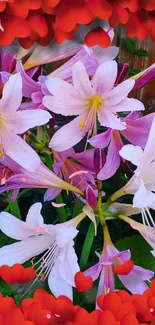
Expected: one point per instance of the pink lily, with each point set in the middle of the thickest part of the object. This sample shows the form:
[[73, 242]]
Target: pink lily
[[90, 99], [58, 263], [42, 178], [134, 281], [15, 122], [75, 173], [136, 132]]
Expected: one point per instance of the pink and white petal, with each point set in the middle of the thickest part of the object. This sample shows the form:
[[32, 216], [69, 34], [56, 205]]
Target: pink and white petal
[[119, 93], [143, 198], [105, 76], [13, 227], [61, 89], [12, 95], [57, 284], [19, 151], [91, 215], [149, 154], [69, 108], [51, 194], [132, 153], [137, 130], [134, 281], [128, 104], [42, 55], [24, 250], [106, 280], [29, 85], [103, 55], [34, 218], [107, 118], [69, 135], [22, 121], [69, 265], [81, 80], [101, 140], [94, 271], [64, 234], [113, 159]]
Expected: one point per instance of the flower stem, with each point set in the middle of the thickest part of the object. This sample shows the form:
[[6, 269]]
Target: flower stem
[[99, 204]]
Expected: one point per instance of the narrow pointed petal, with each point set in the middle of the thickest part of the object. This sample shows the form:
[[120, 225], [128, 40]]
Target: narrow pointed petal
[[68, 266], [13, 227], [149, 154], [138, 128], [51, 194], [134, 281], [128, 104], [34, 218], [113, 158], [101, 140], [81, 80], [69, 135], [90, 213], [54, 52], [57, 284], [105, 77], [12, 95], [18, 150], [22, 251], [67, 108], [29, 85], [25, 120], [119, 93]]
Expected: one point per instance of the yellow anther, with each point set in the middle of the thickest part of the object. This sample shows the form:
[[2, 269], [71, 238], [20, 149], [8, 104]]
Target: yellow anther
[[96, 102], [82, 124], [2, 153]]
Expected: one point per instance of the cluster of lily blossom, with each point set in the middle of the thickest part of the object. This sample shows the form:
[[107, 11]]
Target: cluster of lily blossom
[[90, 88], [44, 20]]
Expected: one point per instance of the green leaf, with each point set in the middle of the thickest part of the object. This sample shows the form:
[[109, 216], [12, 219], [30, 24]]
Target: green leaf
[[130, 45], [61, 211], [77, 208], [14, 208], [142, 53], [140, 251], [87, 245]]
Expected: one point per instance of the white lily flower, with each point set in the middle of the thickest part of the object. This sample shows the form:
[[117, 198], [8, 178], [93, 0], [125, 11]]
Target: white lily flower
[[59, 262], [142, 184]]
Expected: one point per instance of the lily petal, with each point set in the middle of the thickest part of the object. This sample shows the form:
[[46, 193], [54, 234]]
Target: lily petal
[[22, 251], [12, 95], [13, 227], [34, 218]]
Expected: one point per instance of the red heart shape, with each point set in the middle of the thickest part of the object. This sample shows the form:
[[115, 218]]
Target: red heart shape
[[97, 36], [11, 274], [82, 282], [125, 268], [27, 275]]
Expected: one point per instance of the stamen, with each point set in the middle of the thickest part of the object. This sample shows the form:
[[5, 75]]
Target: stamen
[[46, 263]]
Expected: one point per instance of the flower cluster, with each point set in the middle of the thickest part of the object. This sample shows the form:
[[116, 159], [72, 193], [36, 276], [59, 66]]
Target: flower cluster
[[43, 20], [103, 129]]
